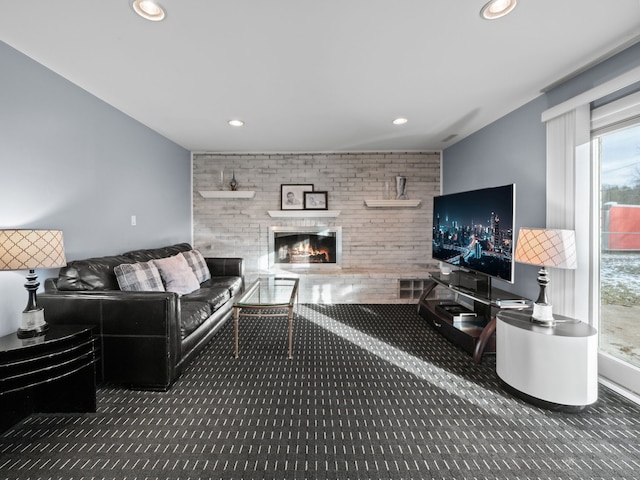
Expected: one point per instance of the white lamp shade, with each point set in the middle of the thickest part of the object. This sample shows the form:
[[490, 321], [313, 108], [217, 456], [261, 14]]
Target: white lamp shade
[[31, 249], [547, 247]]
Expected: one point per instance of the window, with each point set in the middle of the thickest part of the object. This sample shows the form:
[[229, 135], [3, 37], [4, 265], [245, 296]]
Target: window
[[617, 155], [616, 193]]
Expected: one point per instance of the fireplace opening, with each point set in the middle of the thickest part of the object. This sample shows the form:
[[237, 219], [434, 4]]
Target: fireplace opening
[[305, 246]]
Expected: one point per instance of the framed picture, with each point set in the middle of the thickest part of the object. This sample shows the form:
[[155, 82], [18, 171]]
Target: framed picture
[[292, 196], [316, 201]]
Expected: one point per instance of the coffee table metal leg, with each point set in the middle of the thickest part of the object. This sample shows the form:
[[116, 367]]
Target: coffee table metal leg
[[236, 315], [291, 332]]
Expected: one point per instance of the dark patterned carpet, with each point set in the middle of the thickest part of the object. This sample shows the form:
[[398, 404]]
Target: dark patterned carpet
[[372, 393]]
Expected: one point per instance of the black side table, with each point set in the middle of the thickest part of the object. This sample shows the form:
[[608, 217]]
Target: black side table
[[54, 372]]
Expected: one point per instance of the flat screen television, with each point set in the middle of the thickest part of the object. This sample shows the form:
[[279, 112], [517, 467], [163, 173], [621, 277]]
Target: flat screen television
[[474, 230]]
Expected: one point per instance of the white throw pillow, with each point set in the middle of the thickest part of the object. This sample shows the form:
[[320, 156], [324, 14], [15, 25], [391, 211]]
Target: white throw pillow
[[177, 274]]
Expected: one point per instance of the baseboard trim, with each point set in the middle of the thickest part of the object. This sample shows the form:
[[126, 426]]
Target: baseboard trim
[[619, 390]]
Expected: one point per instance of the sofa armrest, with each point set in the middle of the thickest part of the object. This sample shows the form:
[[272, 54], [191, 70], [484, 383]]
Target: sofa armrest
[[225, 267], [139, 332]]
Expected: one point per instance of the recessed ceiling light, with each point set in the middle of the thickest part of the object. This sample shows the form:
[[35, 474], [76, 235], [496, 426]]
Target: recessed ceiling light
[[400, 121], [497, 8], [236, 123], [149, 9]]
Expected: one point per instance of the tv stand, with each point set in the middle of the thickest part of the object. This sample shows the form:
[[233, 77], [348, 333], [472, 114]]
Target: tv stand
[[474, 334]]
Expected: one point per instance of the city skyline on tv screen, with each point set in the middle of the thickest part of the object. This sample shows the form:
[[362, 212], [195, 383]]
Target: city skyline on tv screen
[[474, 230]]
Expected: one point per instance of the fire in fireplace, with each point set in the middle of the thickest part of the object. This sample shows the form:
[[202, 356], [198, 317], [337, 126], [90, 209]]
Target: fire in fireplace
[[305, 246]]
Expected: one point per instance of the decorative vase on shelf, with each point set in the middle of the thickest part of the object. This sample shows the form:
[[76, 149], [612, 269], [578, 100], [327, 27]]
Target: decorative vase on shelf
[[233, 183], [401, 188]]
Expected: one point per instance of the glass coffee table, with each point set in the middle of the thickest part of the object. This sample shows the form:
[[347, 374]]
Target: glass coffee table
[[272, 293]]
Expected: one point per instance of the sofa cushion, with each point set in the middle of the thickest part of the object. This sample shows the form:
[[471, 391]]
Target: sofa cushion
[[214, 296], [233, 284], [139, 277], [176, 274], [192, 315], [91, 273], [147, 254], [197, 263]]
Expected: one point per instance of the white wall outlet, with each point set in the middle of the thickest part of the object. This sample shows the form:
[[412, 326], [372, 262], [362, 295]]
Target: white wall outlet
[[133, 221]]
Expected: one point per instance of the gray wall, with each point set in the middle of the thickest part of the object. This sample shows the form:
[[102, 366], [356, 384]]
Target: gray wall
[[513, 149], [69, 161]]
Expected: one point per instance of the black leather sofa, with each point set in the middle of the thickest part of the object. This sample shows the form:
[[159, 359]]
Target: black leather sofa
[[145, 338]]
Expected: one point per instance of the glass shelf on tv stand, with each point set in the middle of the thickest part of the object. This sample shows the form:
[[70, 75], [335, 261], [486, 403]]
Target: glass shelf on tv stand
[[477, 335], [486, 294]]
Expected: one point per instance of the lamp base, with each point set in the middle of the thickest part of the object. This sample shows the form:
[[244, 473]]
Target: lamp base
[[543, 314], [32, 323]]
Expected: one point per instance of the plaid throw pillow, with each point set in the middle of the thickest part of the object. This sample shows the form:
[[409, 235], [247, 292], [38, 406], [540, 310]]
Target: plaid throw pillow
[[139, 277], [177, 274], [197, 263]]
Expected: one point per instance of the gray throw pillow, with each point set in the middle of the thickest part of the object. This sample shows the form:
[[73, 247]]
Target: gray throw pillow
[[198, 264], [139, 277]]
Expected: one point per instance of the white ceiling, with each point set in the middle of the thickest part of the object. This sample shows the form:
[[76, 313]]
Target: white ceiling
[[314, 76]]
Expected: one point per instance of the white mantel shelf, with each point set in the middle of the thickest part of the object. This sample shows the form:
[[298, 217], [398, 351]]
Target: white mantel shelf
[[392, 203], [227, 193], [304, 213]]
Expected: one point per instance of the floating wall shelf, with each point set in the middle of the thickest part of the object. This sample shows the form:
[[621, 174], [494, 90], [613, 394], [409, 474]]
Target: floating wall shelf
[[227, 193], [392, 203], [304, 213]]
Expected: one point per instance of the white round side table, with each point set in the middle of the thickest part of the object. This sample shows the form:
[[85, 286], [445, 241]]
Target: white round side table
[[551, 367]]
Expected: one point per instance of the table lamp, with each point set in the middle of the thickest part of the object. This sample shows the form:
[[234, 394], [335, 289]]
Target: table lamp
[[28, 250], [545, 248]]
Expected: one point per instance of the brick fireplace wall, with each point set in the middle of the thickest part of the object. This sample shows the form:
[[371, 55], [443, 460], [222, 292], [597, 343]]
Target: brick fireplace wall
[[380, 246]]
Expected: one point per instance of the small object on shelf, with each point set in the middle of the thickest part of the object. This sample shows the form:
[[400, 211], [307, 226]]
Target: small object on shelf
[[445, 269], [386, 191], [513, 303], [233, 183], [291, 195], [401, 188], [473, 282], [316, 200], [456, 312]]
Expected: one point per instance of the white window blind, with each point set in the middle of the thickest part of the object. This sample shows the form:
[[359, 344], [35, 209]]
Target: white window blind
[[616, 115]]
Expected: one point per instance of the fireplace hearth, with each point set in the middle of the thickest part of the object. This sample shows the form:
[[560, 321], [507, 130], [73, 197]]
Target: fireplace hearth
[[311, 247]]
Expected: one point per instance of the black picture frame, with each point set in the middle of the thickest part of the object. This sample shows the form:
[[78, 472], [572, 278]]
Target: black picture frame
[[292, 195], [316, 200]]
